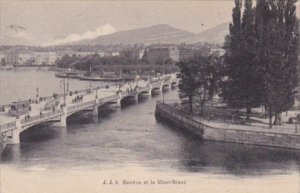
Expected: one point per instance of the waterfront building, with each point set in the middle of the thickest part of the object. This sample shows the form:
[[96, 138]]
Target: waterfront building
[[60, 54], [186, 53], [12, 58], [24, 57], [115, 53], [141, 53], [217, 51], [44, 58], [161, 54], [174, 53], [83, 54], [2, 55], [101, 54]]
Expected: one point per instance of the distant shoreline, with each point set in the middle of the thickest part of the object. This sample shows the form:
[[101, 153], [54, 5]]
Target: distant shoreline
[[23, 68]]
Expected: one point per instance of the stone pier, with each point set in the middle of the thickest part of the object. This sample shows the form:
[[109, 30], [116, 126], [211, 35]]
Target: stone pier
[[63, 117], [95, 108], [119, 99], [15, 138]]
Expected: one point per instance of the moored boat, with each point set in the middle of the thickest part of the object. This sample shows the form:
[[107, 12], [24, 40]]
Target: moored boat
[[68, 75], [98, 78]]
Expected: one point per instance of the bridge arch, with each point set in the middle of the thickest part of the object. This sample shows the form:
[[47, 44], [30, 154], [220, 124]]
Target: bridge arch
[[24, 128]]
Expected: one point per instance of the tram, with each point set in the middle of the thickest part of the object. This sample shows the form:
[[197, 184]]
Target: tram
[[19, 108]]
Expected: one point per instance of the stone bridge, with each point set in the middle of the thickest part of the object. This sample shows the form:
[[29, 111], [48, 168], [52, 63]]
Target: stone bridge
[[91, 101]]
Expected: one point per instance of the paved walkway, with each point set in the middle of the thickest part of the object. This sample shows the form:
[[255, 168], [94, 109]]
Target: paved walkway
[[260, 124]]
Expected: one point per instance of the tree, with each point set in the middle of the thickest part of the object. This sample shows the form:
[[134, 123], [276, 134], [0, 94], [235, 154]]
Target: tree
[[66, 60], [188, 85], [278, 47], [242, 86], [207, 78], [198, 80], [145, 58]]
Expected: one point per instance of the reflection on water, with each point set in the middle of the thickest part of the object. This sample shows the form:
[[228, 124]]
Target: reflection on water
[[121, 137]]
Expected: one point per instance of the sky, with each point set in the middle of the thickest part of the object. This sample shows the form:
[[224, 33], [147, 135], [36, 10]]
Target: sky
[[54, 22]]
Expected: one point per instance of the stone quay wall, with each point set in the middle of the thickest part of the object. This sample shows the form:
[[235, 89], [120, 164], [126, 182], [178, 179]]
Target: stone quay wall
[[206, 132]]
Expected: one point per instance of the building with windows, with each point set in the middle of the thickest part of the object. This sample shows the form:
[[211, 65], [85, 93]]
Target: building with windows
[[45, 58], [186, 53], [162, 54], [217, 51], [12, 58], [174, 53], [83, 54], [24, 57]]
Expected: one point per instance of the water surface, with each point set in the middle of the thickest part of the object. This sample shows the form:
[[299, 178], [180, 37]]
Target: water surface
[[129, 143]]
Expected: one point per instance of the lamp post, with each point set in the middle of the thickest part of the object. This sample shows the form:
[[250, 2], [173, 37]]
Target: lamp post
[[67, 85], [162, 91], [64, 91], [37, 93]]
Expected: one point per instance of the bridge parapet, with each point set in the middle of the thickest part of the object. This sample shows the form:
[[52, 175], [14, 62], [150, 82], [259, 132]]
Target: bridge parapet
[[108, 98], [39, 118], [133, 92], [157, 84], [81, 106], [144, 88], [7, 127]]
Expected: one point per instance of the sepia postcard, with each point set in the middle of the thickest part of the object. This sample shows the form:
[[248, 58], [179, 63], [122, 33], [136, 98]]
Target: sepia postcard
[[150, 96]]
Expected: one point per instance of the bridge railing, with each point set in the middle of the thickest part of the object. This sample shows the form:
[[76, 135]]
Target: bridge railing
[[143, 88], [7, 126], [43, 116], [132, 92], [81, 105], [108, 98], [156, 84]]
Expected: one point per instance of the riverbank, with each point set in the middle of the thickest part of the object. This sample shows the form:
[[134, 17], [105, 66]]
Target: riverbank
[[285, 137], [25, 68]]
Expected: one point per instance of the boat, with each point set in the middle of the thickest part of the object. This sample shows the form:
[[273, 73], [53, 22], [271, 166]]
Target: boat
[[130, 77], [98, 78], [68, 75]]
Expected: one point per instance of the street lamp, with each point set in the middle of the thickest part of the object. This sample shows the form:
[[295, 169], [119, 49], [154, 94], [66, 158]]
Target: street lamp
[[162, 91], [64, 91], [37, 93], [67, 85]]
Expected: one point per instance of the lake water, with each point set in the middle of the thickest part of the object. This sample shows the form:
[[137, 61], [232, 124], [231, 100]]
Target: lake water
[[128, 143]]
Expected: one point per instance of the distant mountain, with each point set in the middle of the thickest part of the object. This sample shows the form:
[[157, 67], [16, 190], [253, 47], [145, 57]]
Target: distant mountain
[[215, 35], [161, 33]]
